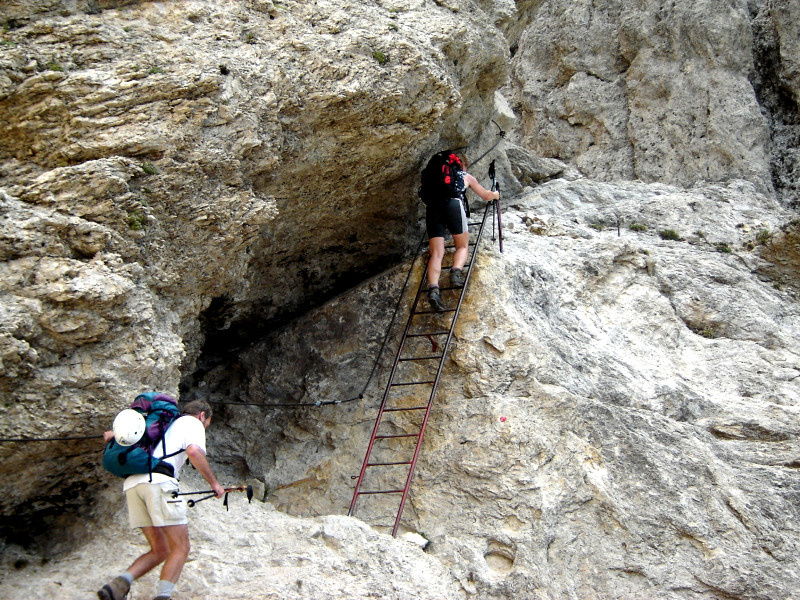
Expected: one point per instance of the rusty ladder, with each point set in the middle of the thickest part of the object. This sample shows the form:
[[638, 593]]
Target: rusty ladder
[[398, 458]]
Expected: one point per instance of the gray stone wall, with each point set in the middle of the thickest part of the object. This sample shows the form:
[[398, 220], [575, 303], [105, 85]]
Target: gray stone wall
[[186, 188]]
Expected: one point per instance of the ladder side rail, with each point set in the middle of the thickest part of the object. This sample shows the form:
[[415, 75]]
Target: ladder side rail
[[386, 392], [438, 375]]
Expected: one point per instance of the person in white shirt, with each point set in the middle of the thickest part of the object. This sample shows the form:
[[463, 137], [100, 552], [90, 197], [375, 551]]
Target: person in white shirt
[[152, 508]]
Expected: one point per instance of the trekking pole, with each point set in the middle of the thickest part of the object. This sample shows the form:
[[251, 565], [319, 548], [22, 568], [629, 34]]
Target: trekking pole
[[499, 221], [212, 494], [496, 206], [494, 216]]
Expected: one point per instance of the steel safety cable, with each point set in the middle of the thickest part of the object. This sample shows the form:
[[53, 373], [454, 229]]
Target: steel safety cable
[[281, 404], [501, 134], [374, 364], [360, 396], [51, 439]]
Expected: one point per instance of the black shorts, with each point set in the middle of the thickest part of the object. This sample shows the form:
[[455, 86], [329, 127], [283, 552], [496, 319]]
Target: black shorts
[[449, 216]]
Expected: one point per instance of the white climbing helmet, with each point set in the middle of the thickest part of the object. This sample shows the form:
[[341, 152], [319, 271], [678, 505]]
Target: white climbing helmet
[[128, 427]]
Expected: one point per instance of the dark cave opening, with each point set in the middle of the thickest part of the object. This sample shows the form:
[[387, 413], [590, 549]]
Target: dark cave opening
[[778, 104]]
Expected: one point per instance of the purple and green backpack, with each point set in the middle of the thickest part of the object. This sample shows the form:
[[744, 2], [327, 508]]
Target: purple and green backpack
[[159, 412]]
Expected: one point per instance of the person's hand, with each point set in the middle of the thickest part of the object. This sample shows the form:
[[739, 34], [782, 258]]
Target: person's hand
[[496, 196], [108, 436], [218, 490]]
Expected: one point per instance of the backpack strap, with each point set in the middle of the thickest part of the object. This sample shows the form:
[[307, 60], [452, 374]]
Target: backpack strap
[[162, 466]]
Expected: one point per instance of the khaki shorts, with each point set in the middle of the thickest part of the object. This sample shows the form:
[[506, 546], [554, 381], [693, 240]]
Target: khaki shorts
[[152, 504]]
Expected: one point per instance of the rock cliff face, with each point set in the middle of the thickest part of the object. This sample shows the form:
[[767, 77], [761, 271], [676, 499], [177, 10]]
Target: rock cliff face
[[646, 90], [185, 174], [183, 182], [619, 417]]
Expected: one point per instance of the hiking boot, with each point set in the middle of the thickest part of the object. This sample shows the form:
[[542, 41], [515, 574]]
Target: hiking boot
[[435, 300], [456, 278], [116, 589]]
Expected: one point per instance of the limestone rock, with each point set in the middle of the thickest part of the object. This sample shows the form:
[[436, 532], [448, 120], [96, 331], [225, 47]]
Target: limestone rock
[[641, 91], [188, 189], [181, 176], [618, 416], [787, 25], [776, 57], [530, 170], [248, 552]]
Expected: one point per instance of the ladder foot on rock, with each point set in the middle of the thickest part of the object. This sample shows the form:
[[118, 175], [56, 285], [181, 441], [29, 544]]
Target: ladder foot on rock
[[388, 446]]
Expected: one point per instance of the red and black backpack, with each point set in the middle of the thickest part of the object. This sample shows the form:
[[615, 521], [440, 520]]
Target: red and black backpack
[[439, 178]]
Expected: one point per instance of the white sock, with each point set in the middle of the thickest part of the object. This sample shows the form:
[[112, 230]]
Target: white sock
[[165, 588], [127, 577]]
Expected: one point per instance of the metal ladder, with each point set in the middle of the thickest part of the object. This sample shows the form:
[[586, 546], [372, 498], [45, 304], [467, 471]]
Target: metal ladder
[[389, 455]]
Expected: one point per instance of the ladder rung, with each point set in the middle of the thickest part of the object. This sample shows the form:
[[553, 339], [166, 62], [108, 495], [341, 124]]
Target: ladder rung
[[427, 334], [387, 452], [449, 247], [434, 312]]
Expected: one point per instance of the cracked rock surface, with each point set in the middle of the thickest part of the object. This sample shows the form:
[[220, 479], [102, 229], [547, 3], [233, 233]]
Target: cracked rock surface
[[219, 200]]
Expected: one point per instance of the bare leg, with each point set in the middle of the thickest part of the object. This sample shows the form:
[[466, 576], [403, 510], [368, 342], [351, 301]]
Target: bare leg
[[178, 540], [159, 549], [436, 246], [462, 248]]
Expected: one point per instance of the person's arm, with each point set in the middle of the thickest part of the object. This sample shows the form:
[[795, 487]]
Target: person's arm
[[198, 458], [479, 189]]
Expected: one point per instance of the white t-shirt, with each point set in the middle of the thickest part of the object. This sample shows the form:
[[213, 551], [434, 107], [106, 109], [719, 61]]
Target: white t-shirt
[[184, 432]]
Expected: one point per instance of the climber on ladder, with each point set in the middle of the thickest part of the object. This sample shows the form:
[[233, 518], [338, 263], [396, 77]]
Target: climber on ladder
[[443, 190]]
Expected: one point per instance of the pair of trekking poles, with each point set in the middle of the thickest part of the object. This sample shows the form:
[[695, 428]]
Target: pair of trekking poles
[[495, 186], [211, 494], [496, 207]]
